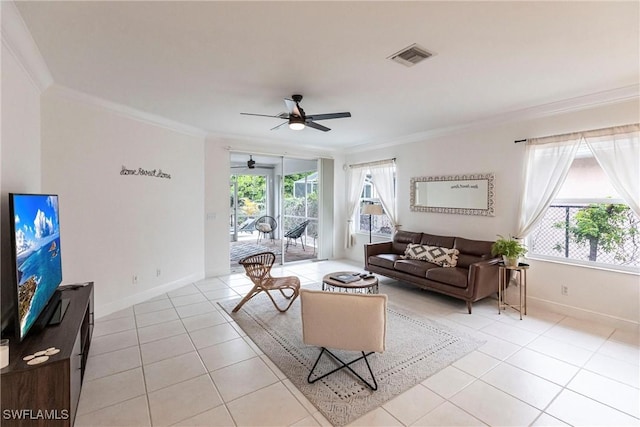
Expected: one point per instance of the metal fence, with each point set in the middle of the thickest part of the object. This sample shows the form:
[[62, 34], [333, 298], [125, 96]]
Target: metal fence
[[553, 238], [380, 224]]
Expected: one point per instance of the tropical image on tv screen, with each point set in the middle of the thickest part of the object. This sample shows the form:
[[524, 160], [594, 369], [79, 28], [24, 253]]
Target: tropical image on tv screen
[[38, 260]]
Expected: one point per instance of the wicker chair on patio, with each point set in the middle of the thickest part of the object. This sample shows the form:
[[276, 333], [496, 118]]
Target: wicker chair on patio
[[296, 233], [266, 225], [258, 269]]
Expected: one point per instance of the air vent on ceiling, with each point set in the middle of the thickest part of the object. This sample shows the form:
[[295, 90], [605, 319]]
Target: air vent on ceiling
[[411, 55]]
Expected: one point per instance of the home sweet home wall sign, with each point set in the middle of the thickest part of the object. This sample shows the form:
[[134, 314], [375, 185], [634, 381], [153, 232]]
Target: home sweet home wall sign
[[155, 173]]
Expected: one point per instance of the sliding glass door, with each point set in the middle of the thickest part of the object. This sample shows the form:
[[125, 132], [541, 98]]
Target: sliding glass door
[[300, 209], [274, 206]]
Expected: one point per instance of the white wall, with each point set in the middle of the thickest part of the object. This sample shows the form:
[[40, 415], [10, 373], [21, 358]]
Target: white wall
[[113, 226], [216, 201], [19, 145], [20, 128], [613, 295]]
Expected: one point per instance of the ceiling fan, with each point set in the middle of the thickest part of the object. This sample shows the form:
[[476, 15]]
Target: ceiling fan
[[296, 117], [251, 164]]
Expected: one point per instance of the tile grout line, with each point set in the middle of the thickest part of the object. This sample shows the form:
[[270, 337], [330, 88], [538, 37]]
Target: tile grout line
[[446, 310], [144, 377], [207, 373]]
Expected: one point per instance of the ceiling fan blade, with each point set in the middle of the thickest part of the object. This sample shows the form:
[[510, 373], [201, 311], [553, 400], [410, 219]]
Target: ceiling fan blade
[[329, 116], [263, 115], [279, 126], [292, 106], [317, 126]]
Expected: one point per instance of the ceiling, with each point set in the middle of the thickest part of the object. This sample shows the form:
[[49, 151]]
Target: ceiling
[[203, 63]]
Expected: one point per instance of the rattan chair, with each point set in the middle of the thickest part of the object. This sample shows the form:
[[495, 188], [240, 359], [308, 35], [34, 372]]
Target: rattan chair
[[343, 321], [258, 269]]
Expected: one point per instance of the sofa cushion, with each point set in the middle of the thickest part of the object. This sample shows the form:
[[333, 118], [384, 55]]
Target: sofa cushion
[[472, 251], [433, 240], [473, 247], [464, 260], [414, 267], [401, 239], [384, 260], [451, 276], [444, 257]]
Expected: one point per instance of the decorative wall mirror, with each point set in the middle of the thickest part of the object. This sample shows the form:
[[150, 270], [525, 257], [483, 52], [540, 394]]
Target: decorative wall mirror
[[457, 194]]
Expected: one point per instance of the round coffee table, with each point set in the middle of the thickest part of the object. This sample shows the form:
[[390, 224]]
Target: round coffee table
[[361, 286]]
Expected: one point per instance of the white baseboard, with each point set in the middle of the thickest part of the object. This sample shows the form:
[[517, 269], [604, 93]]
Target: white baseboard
[[102, 310], [581, 313]]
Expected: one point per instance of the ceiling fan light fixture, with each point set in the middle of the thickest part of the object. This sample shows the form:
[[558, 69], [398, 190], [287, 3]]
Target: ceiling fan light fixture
[[296, 123]]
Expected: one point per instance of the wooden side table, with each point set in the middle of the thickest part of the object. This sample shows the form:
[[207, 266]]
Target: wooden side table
[[504, 276]]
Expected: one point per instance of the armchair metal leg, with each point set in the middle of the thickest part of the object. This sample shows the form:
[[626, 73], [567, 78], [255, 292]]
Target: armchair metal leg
[[373, 386]]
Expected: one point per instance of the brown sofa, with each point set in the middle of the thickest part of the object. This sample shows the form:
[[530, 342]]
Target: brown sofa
[[474, 277]]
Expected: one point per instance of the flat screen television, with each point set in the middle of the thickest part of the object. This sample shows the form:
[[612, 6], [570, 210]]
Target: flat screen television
[[35, 237]]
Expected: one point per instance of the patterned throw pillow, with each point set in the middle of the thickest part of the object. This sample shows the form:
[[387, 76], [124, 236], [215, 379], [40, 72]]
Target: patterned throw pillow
[[443, 257]]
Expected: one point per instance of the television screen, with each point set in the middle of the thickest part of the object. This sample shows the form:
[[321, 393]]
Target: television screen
[[36, 249]]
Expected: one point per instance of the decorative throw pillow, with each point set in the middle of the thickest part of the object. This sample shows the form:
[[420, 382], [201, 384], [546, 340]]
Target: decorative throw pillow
[[443, 257], [264, 227]]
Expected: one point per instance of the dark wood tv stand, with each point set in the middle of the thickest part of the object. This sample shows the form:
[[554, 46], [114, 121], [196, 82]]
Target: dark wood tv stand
[[47, 394]]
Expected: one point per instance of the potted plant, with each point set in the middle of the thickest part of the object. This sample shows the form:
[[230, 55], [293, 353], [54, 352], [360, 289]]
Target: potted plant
[[511, 250]]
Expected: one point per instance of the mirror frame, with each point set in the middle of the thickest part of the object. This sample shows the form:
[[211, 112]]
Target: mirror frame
[[489, 177]]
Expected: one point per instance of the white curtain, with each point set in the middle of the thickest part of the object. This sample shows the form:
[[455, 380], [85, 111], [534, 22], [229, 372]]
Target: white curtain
[[617, 150], [547, 163], [355, 181], [383, 179]]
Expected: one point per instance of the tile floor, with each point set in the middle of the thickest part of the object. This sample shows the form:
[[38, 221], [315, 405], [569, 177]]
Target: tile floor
[[179, 360]]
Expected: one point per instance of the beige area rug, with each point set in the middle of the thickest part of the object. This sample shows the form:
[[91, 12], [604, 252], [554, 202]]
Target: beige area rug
[[417, 348]]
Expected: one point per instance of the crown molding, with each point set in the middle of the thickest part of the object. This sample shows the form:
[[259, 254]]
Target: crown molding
[[269, 146], [124, 110], [613, 96], [17, 38]]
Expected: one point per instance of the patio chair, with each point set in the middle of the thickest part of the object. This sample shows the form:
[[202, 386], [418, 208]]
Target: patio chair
[[344, 321], [296, 233], [265, 225], [248, 225], [258, 269]]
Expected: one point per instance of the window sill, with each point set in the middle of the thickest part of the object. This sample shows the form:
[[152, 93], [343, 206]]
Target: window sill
[[634, 271]]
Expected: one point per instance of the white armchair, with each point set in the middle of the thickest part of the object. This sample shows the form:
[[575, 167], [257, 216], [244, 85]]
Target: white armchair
[[344, 321]]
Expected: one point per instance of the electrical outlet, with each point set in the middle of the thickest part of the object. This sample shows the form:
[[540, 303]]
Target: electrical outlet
[[158, 272], [564, 290], [134, 279]]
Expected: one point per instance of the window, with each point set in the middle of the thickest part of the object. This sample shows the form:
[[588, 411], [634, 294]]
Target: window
[[588, 222], [371, 182], [380, 224]]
